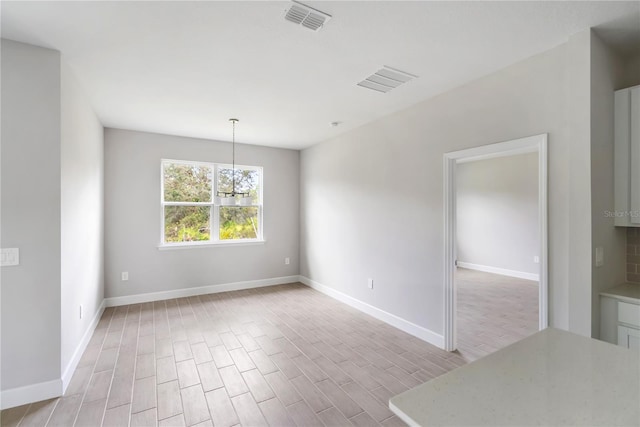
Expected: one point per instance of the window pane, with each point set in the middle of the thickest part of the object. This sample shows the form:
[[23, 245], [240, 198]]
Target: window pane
[[187, 183], [186, 223], [238, 222], [247, 181]]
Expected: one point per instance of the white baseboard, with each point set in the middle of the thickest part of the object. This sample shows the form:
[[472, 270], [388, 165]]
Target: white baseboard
[[501, 271], [31, 393], [202, 290], [75, 359], [393, 320], [47, 390]]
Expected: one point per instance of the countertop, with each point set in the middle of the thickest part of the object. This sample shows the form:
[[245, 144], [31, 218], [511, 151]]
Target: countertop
[[550, 378], [629, 292]]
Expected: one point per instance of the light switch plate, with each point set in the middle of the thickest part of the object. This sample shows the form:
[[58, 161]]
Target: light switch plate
[[9, 257], [599, 256]]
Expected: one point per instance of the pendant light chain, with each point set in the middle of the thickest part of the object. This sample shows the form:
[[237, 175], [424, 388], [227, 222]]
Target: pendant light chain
[[228, 198], [233, 158]]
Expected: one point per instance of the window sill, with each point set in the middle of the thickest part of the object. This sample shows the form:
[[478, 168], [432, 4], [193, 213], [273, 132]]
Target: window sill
[[197, 245]]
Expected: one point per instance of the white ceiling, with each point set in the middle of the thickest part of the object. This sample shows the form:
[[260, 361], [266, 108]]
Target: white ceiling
[[184, 68]]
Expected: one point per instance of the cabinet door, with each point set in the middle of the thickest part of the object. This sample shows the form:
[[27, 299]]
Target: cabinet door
[[635, 156], [629, 337]]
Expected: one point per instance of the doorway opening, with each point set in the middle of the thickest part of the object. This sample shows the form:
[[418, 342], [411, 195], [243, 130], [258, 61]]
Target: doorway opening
[[536, 146]]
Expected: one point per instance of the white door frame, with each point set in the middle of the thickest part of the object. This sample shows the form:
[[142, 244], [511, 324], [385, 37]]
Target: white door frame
[[531, 144]]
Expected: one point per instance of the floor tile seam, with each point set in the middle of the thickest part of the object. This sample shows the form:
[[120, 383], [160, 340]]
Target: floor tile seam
[[368, 392], [25, 414], [93, 372], [347, 394], [135, 367], [258, 403], [303, 399], [51, 413], [318, 389]]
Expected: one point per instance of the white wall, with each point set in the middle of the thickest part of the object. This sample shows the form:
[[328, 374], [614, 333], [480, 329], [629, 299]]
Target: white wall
[[82, 207], [30, 214], [629, 73], [132, 216], [497, 213], [371, 199], [609, 72], [577, 121]]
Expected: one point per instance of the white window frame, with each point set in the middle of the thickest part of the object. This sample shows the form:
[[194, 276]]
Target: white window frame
[[214, 218]]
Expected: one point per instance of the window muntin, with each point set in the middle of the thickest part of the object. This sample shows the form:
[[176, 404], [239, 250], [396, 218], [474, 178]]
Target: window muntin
[[191, 214]]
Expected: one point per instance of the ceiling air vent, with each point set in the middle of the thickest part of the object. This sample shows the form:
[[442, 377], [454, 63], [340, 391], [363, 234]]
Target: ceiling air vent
[[385, 79], [306, 16]]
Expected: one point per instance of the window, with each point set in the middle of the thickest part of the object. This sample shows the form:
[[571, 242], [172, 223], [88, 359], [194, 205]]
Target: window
[[192, 212]]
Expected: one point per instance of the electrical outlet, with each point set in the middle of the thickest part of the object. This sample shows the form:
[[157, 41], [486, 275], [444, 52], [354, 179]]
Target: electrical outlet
[[125, 276], [370, 283], [287, 261], [536, 259], [81, 311]]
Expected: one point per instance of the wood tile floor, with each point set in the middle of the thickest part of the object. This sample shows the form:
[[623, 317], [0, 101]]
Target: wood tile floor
[[283, 356], [494, 311]]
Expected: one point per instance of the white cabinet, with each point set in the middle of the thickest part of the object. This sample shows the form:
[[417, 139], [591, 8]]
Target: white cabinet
[[629, 337], [628, 325], [620, 315], [627, 157], [629, 314]]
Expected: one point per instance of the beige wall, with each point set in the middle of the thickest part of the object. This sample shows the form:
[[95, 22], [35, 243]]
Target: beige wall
[[609, 72], [132, 216], [497, 213], [52, 211], [82, 224], [30, 180], [371, 199]]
